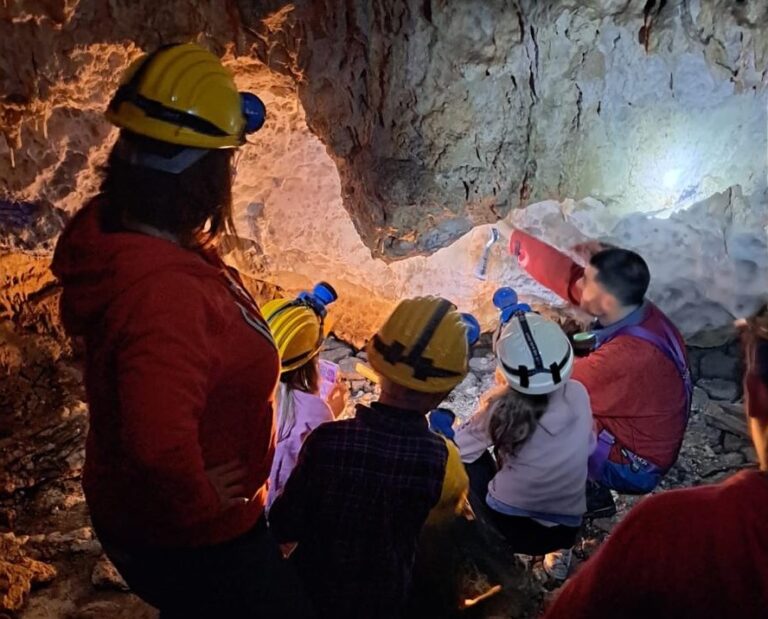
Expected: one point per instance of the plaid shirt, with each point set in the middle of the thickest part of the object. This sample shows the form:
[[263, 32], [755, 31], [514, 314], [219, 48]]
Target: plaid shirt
[[355, 503]]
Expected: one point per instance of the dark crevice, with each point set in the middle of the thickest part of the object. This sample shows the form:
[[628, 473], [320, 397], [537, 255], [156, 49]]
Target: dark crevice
[[535, 47], [579, 101], [521, 23], [426, 10], [651, 10]]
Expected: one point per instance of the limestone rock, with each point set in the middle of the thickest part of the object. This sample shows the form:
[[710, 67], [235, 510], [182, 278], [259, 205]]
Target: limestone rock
[[718, 365], [750, 454], [106, 576], [719, 389], [348, 365], [482, 364], [732, 442], [657, 144], [19, 573], [726, 417]]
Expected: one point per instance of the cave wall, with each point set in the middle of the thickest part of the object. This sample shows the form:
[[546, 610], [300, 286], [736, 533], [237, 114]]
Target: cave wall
[[399, 131]]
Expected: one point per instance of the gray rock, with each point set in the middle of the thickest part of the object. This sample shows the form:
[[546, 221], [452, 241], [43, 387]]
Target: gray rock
[[732, 442], [750, 454], [336, 354], [733, 459], [718, 364], [720, 389], [348, 370], [482, 365]]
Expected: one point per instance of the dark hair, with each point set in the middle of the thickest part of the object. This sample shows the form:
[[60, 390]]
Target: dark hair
[[513, 419], [305, 378], [622, 273], [195, 205]]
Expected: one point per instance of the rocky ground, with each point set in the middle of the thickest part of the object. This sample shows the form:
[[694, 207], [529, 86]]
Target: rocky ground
[[51, 565]]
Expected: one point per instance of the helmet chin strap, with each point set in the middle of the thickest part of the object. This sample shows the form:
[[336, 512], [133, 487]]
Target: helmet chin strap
[[176, 164]]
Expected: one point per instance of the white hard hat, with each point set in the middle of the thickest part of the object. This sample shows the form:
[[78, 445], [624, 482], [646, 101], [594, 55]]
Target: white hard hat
[[534, 354]]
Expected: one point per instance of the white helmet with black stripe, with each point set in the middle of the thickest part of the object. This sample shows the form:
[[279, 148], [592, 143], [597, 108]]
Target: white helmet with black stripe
[[534, 354]]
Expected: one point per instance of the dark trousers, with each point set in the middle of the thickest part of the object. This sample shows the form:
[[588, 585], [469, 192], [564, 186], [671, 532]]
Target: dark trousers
[[525, 535], [245, 577]]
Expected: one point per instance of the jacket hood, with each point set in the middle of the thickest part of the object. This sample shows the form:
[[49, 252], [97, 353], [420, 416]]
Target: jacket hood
[[96, 267]]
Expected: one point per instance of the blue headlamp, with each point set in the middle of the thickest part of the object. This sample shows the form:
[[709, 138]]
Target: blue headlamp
[[321, 296], [505, 299], [254, 111], [473, 328]]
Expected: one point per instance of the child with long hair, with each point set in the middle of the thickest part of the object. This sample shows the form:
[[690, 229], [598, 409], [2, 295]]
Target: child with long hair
[[539, 424], [299, 328]]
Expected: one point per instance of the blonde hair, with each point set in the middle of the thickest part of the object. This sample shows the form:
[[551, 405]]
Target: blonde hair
[[513, 418], [305, 378]]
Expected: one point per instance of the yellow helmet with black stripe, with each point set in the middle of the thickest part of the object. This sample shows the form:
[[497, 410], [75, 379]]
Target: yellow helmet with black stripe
[[182, 94], [422, 346], [299, 325]]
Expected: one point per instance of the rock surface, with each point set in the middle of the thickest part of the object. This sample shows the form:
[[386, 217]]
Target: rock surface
[[18, 572], [402, 129]]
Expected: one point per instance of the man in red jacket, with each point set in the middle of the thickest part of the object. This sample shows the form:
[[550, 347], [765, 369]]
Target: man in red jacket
[[636, 372], [698, 552]]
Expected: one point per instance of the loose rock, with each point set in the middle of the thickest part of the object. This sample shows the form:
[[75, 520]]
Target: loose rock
[[106, 576], [720, 389]]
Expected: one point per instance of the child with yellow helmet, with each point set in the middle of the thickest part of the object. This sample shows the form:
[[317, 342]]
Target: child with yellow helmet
[[362, 489], [299, 327]]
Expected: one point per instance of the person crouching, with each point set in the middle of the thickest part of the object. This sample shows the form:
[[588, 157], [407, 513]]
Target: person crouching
[[539, 424]]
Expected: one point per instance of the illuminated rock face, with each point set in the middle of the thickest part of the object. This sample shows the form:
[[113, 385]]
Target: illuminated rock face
[[404, 131]]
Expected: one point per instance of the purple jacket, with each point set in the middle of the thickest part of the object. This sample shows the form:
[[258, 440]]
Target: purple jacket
[[298, 413]]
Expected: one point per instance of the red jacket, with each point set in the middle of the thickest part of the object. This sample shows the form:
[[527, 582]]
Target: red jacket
[[636, 391], [756, 378], [179, 378], [699, 552]]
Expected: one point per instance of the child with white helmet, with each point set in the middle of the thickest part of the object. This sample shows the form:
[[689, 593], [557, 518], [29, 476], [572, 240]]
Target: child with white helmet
[[539, 424]]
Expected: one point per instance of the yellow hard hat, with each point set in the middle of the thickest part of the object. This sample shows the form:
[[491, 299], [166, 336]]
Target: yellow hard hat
[[423, 346], [181, 94], [299, 325]]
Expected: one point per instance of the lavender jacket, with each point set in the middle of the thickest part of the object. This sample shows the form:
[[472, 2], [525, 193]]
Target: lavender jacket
[[547, 478], [307, 411]]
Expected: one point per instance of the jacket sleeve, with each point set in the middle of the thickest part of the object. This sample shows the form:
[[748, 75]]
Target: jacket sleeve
[[288, 514], [163, 367], [549, 267], [472, 437]]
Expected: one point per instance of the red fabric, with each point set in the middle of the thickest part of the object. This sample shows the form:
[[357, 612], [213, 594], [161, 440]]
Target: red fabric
[[177, 381], [699, 552], [634, 388], [755, 376]]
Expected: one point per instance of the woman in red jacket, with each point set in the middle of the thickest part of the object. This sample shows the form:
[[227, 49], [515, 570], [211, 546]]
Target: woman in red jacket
[[180, 365]]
